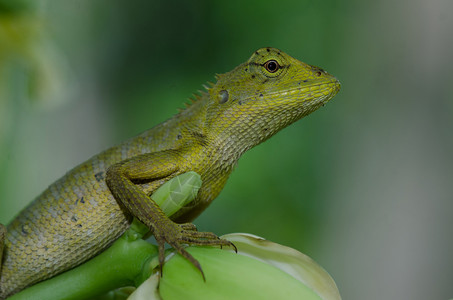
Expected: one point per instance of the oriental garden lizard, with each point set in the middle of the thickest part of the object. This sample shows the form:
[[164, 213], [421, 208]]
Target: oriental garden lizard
[[86, 210]]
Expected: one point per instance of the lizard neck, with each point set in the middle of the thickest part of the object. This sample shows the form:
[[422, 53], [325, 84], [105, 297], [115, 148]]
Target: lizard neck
[[220, 145]]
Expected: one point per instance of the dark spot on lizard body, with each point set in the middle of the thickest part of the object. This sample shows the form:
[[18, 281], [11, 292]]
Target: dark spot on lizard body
[[99, 176], [81, 200], [24, 230]]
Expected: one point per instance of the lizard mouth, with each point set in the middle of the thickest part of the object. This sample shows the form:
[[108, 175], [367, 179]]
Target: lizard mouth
[[315, 91], [323, 90]]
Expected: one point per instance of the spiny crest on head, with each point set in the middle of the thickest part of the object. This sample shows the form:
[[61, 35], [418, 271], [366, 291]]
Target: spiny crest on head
[[208, 85], [196, 96], [220, 76]]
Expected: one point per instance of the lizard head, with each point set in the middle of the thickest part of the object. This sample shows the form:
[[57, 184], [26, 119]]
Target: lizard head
[[265, 94]]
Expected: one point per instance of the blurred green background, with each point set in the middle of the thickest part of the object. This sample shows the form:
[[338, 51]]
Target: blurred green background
[[364, 185]]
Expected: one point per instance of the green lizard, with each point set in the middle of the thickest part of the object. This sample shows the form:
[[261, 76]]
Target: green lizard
[[82, 213]]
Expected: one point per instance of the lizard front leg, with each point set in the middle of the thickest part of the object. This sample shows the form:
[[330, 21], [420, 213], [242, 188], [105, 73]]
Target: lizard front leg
[[120, 179]]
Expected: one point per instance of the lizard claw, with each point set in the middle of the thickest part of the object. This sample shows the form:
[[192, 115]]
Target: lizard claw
[[187, 233]]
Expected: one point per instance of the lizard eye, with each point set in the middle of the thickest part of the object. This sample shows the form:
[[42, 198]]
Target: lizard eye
[[272, 66]]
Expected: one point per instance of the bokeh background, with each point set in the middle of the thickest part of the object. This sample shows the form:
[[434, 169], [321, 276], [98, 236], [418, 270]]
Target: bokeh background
[[364, 185]]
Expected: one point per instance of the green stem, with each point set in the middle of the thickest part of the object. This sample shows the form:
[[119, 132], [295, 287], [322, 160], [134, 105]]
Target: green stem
[[120, 265]]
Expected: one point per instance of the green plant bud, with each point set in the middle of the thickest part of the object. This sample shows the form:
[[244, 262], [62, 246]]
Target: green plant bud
[[261, 270]]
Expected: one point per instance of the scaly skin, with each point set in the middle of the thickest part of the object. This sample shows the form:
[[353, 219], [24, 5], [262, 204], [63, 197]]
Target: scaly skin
[[82, 213]]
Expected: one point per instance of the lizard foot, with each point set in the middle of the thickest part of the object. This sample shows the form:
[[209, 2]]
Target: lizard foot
[[187, 233]]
